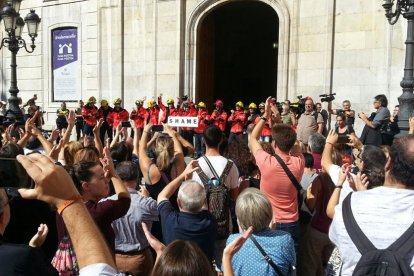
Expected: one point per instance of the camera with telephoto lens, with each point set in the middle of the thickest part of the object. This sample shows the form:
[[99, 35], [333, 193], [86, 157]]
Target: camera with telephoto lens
[[327, 97]]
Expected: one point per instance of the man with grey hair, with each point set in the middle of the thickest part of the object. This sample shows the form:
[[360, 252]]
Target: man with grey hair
[[346, 109], [191, 222], [316, 144], [309, 122]]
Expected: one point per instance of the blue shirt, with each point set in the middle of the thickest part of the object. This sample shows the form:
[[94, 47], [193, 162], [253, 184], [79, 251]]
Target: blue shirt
[[200, 228], [277, 244], [129, 235]]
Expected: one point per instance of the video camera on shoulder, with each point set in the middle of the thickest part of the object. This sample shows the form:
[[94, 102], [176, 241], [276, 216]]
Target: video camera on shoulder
[[327, 97]]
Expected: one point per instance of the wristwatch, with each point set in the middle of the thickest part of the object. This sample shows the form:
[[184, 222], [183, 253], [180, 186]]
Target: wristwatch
[[338, 186]]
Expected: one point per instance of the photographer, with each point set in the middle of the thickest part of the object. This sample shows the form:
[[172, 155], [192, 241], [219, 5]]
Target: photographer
[[346, 109], [375, 124]]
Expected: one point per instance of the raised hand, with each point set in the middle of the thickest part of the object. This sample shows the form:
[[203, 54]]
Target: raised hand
[[39, 238], [52, 183]]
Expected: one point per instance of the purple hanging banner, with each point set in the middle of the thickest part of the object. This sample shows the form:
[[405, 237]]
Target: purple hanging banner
[[65, 65]]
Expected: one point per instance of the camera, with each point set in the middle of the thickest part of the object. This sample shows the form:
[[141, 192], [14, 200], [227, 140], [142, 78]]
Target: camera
[[327, 97], [184, 98], [299, 106]]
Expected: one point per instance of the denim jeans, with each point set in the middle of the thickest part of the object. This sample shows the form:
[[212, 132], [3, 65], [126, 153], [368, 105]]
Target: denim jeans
[[293, 228], [199, 147]]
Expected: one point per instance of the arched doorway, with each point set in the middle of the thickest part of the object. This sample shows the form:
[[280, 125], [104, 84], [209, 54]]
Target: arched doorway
[[237, 53]]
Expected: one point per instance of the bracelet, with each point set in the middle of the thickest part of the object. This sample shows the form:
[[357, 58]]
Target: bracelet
[[263, 118], [330, 143], [66, 204], [338, 186], [145, 131]]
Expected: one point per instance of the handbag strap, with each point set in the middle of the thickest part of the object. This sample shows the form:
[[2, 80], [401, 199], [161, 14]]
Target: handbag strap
[[266, 257], [289, 173]]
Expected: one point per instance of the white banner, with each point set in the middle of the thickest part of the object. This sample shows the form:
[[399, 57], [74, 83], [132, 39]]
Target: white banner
[[176, 121]]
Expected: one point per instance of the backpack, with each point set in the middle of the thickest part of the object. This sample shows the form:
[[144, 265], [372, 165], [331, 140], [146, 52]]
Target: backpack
[[391, 261], [218, 198]]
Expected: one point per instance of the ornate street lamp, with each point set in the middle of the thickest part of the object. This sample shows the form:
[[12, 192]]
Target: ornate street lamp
[[406, 100], [13, 25]]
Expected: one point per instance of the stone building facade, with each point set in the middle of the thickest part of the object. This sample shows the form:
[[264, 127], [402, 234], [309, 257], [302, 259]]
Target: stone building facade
[[135, 48]]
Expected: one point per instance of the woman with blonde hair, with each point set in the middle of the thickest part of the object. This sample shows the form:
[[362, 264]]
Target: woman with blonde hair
[[168, 163], [253, 208], [70, 150]]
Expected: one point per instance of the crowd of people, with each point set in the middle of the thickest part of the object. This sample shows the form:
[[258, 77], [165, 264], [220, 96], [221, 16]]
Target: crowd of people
[[261, 191]]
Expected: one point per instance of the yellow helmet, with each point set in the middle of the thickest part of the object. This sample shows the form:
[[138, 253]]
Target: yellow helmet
[[92, 100], [151, 103], [201, 104], [117, 101], [104, 103], [252, 106], [170, 101], [240, 104], [139, 102], [262, 105]]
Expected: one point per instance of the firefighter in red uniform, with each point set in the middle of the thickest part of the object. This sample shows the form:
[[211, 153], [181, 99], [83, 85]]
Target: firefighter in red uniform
[[118, 114], [139, 114], [170, 110], [219, 116], [236, 120], [90, 115], [188, 111], [154, 112], [104, 111], [203, 120], [266, 135]]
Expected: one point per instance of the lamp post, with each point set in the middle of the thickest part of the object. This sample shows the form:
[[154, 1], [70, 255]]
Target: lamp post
[[406, 100], [13, 26]]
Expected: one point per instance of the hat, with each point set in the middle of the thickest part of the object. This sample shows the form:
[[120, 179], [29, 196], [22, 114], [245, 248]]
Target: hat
[[151, 103], [252, 106], [240, 104], [170, 101], [104, 103], [219, 102], [117, 101], [201, 104], [92, 100], [139, 102]]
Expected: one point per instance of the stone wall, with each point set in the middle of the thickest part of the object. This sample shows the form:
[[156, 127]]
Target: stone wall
[[136, 48]]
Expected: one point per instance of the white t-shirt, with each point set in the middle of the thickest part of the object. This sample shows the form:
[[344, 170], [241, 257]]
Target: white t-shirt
[[382, 213], [100, 269], [219, 163]]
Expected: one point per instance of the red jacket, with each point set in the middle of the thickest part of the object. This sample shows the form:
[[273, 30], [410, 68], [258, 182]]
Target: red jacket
[[236, 119], [139, 116], [219, 119], [168, 111], [154, 115], [266, 131], [117, 116], [190, 113], [90, 114], [203, 118]]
